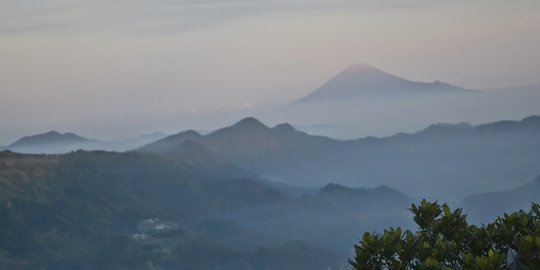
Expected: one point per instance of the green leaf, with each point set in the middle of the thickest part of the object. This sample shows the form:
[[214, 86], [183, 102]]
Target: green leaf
[[447, 212], [431, 262]]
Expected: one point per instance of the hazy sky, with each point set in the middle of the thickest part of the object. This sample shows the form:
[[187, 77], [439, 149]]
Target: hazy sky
[[82, 65]]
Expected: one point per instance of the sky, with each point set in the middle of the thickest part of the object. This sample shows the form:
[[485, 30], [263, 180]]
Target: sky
[[118, 68]]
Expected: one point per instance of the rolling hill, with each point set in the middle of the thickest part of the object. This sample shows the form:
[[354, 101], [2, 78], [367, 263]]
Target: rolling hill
[[53, 142], [105, 210]]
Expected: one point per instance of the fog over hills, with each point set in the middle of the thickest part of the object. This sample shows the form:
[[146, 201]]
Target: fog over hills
[[53, 142], [453, 158], [363, 81], [444, 161], [359, 101], [247, 139], [363, 100], [104, 210], [250, 196], [269, 134]]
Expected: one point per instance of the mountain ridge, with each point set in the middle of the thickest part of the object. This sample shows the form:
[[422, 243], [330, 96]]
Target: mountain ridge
[[286, 155], [246, 132]]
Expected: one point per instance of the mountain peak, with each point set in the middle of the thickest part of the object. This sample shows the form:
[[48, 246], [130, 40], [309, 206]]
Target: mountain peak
[[285, 127], [249, 122], [244, 128], [47, 138], [51, 133], [360, 67], [188, 134], [365, 72], [361, 81]]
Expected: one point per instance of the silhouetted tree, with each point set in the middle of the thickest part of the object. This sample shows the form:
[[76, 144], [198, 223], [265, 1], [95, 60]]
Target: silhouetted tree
[[445, 240]]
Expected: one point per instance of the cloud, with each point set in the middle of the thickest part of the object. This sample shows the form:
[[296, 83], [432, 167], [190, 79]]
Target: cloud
[[142, 59], [121, 16], [154, 16]]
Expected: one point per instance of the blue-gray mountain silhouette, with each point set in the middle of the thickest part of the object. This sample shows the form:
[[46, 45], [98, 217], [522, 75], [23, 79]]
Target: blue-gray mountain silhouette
[[443, 159], [365, 81]]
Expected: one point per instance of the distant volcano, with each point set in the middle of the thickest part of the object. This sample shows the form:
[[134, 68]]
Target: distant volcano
[[365, 81]]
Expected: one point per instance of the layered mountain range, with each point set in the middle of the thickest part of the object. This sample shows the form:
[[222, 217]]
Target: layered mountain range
[[445, 161], [249, 196], [456, 160]]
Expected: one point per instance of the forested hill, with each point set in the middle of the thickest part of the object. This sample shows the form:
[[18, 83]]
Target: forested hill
[[104, 210]]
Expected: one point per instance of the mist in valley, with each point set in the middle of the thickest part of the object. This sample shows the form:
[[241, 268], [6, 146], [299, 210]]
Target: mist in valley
[[253, 195], [259, 135]]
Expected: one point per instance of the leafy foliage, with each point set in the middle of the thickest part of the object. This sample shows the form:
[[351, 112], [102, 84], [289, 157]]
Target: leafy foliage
[[445, 240]]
